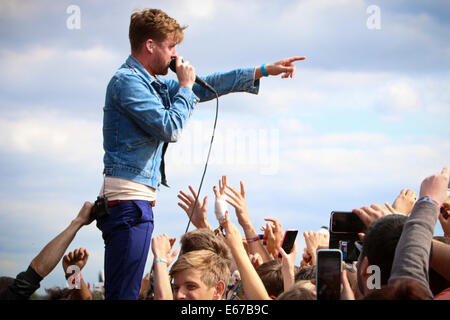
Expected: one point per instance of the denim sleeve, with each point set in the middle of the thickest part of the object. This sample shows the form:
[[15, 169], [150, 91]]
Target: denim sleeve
[[25, 284], [239, 80], [146, 108]]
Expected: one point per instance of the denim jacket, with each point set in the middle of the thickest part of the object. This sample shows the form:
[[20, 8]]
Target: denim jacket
[[142, 114]]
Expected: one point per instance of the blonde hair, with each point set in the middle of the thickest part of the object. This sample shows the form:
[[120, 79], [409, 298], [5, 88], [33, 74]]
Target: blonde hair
[[205, 239], [153, 24], [301, 290], [213, 267]]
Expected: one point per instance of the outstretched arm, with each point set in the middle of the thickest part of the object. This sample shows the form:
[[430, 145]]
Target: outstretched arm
[[28, 281], [52, 253]]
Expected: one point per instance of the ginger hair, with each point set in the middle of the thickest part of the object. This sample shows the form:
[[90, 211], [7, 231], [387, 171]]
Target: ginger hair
[[153, 24]]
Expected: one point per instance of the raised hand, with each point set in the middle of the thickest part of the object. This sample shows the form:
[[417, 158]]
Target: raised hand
[[288, 266], [220, 193], [162, 246], [273, 234], [199, 219], [237, 200], [372, 213], [435, 186], [405, 201], [78, 257], [313, 241]]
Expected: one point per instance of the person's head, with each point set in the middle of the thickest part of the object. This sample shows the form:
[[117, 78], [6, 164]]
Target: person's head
[[401, 289], [153, 37], [378, 249], [272, 277], [205, 239], [301, 290], [57, 293], [199, 275], [306, 273]]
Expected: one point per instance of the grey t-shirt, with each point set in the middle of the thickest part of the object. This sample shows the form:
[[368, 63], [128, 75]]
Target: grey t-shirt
[[412, 255]]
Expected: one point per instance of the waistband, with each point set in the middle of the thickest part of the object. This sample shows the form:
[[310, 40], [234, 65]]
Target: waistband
[[114, 203]]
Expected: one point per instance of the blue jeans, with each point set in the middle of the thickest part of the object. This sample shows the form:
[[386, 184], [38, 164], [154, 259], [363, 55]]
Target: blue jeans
[[127, 233]]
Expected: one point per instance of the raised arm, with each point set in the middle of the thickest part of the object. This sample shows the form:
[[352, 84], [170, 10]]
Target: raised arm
[[412, 254], [52, 253], [78, 258], [288, 267], [161, 247], [28, 281], [253, 286]]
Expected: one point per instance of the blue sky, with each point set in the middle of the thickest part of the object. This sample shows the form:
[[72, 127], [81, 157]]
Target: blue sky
[[366, 115]]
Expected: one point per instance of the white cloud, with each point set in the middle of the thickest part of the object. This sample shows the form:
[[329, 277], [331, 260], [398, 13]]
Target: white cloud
[[19, 9], [92, 56], [53, 136], [57, 67], [368, 163], [204, 9]]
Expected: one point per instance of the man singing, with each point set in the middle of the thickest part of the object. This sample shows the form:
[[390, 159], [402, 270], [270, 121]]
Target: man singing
[[143, 113]]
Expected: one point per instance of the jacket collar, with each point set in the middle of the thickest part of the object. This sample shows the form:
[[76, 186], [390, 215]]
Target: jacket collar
[[135, 64]]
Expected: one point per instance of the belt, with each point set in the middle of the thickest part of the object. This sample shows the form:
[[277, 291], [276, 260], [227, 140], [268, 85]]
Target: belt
[[114, 203]]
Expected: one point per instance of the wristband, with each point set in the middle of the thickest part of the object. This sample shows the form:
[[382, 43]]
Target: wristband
[[258, 237], [263, 70], [156, 260], [428, 199]]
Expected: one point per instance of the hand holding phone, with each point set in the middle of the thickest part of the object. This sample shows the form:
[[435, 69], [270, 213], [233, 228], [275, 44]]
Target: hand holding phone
[[288, 241], [328, 274], [344, 229]]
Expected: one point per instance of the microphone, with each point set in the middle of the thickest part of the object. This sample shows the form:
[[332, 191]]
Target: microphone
[[199, 81]]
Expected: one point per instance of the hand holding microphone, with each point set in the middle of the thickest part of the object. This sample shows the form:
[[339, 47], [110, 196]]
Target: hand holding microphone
[[184, 70], [186, 74]]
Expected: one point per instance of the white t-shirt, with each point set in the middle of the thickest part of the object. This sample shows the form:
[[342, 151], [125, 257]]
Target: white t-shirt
[[115, 188]]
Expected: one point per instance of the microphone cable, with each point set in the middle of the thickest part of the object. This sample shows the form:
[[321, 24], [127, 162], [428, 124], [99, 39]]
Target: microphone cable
[[201, 82], [207, 159]]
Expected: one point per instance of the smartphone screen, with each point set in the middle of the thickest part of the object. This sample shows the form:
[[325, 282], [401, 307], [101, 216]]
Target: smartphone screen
[[328, 274], [347, 222], [288, 241]]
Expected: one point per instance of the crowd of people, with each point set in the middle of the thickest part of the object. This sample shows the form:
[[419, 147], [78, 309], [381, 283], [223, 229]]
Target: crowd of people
[[223, 264]]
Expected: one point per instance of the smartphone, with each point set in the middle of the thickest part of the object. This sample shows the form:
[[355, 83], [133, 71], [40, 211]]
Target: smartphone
[[288, 241], [328, 274], [345, 222]]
